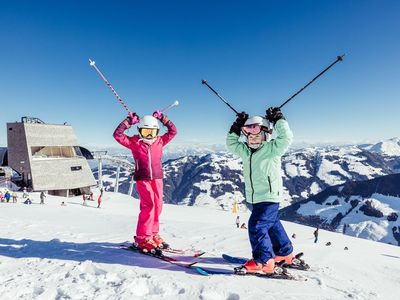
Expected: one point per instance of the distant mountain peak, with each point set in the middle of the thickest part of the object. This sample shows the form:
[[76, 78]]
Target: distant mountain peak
[[390, 147]]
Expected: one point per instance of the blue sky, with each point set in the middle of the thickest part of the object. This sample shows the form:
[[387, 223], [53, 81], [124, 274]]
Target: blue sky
[[255, 53]]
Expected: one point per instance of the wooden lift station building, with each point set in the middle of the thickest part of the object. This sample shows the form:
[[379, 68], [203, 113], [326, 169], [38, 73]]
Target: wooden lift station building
[[48, 157]]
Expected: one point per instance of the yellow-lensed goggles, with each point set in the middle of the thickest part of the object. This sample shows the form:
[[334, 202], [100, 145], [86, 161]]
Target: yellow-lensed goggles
[[148, 132]]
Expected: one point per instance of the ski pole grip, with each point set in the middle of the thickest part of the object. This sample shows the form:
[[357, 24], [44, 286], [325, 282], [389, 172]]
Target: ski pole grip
[[158, 114], [133, 117]]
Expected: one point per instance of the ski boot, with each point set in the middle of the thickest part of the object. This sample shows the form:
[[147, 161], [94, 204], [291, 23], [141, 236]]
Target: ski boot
[[160, 242], [292, 261], [147, 246], [269, 269], [253, 267]]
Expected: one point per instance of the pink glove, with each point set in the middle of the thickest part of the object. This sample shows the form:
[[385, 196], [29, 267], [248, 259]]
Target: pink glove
[[158, 115], [134, 118]]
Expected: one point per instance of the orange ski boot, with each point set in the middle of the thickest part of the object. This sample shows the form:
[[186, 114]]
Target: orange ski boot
[[288, 259], [292, 261], [160, 242], [253, 267], [147, 245]]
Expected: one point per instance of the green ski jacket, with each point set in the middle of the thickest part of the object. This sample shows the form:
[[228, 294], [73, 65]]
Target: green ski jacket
[[262, 167]]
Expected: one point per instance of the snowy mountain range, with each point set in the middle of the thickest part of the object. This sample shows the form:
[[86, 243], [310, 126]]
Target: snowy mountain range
[[216, 180], [368, 209], [171, 151]]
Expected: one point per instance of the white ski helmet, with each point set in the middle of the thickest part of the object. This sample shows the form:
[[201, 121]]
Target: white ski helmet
[[257, 120], [148, 122], [263, 129]]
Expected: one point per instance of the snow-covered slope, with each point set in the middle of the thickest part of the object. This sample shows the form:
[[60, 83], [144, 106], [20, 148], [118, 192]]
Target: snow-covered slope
[[71, 252], [309, 171], [388, 148], [367, 209]]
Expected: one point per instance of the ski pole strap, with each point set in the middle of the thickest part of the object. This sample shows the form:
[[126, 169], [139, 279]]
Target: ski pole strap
[[219, 96], [93, 64], [339, 58]]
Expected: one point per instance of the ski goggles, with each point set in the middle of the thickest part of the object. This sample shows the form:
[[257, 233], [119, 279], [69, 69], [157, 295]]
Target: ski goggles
[[251, 129], [145, 132]]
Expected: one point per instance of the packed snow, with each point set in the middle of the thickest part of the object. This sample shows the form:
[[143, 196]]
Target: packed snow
[[72, 252]]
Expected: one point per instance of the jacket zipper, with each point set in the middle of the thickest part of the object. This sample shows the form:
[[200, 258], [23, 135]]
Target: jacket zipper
[[149, 157], [270, 187], [137, 165], [251, 181]]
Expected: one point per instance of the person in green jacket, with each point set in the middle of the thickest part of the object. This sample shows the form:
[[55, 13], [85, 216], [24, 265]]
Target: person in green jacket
[[263, 186]]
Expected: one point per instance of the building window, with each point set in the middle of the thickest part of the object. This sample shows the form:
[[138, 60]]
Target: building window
[[54, 152]]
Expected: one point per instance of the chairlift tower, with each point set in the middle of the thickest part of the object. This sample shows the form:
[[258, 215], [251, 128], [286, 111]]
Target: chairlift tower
[[120, 161]]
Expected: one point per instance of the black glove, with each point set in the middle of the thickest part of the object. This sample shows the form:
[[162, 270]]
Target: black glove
[[239, 122], [273, 114]]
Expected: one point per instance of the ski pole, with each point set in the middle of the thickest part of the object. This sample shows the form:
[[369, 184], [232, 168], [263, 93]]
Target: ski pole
[[339, 58], [170, 106], [93, 64], [219, 96]]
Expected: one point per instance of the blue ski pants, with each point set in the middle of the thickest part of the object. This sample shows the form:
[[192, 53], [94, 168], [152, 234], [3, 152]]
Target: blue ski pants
[[267, 235]]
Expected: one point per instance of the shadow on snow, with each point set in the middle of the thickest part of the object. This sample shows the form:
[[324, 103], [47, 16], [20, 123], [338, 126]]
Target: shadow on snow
[[98, 252]]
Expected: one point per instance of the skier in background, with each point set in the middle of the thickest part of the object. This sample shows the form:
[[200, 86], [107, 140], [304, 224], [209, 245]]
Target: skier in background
[[42, 196], [237, 222], [25, 194], [7, 196], [14, 196], [316, 235], [84, 199], [344, 228], [263, 184], [147, 148], [99, 201]]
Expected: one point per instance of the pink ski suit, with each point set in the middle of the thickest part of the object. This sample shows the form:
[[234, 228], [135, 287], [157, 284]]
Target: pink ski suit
[[148, 175]]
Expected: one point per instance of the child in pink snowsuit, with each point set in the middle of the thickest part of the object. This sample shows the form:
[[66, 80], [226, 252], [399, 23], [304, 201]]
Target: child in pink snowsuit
[[147, 152]]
